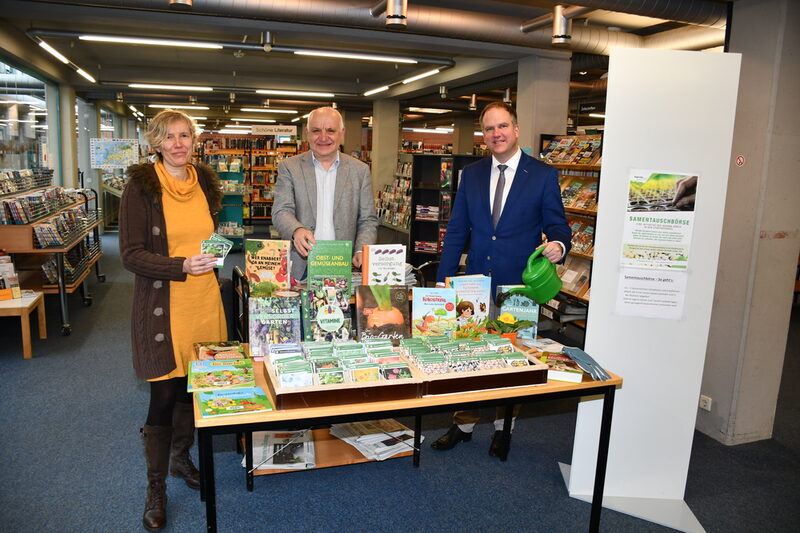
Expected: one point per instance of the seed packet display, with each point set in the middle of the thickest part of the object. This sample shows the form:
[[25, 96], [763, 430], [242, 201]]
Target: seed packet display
[[396, 371]]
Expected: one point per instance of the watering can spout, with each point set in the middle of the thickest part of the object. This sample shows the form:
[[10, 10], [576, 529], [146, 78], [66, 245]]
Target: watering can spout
[[541, 280]]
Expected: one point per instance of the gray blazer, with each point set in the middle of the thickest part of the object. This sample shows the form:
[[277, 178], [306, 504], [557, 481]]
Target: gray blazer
[[295, 204]]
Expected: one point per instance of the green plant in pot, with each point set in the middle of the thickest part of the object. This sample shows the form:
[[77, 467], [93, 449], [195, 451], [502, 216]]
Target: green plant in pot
[[507, 326]]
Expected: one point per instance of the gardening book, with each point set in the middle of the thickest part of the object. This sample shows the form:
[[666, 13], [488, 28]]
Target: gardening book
[[521, 307], [291, 450], [473, 297], [219, 351], [330, 264], [382, 312], [433, 311], [383, 264], [206, 376], [267, 265], [561, 367], [233, 402], [273, 320], [326, 315]]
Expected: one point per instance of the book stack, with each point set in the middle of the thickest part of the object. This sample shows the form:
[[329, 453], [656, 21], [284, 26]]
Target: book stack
[[427, 212], [430, 247], [9, 281]]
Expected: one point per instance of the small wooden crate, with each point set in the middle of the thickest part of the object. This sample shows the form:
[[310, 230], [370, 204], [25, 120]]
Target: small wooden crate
[[343, 393]]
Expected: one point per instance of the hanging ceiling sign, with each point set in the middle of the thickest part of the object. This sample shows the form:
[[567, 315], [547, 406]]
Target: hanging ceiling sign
[[595, 107], [274, 130]]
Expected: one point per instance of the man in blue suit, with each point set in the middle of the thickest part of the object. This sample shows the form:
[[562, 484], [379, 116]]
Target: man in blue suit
[[503, 205]]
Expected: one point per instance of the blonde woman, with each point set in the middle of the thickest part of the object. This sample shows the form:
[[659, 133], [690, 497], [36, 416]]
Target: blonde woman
[[168, 207]]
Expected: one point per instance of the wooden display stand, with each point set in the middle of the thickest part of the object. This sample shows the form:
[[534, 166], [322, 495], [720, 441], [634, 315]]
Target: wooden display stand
[[22, 307]]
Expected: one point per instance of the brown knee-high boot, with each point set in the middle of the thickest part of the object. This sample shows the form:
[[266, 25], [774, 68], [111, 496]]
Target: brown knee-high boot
[[157, 441], [182, 439]]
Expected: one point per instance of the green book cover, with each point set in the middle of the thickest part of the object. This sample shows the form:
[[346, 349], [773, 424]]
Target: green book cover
[[330, 265], [207, 376], [233, 402]]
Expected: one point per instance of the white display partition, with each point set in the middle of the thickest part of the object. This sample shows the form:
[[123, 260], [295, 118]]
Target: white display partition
[[671, 111]]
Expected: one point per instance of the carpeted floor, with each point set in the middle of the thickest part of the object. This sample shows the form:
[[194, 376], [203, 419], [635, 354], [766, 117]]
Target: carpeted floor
[[72, 459]]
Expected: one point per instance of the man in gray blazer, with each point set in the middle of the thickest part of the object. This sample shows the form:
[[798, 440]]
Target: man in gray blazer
[[323, 194]]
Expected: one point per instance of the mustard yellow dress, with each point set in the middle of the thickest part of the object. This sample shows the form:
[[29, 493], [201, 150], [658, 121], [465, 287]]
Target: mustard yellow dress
[[195, 305]]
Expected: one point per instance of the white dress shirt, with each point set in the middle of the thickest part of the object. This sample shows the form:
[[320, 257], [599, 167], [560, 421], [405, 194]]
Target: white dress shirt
[[326, 186], [512, 164]]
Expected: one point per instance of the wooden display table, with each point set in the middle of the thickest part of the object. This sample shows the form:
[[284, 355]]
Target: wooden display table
[[301, 418], [22, 307]]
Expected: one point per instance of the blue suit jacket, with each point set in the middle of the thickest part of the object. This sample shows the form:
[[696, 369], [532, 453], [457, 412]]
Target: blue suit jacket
[[533, 206]]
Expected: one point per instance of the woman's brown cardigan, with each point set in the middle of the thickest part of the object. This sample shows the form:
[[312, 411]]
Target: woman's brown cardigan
[[145, 252]]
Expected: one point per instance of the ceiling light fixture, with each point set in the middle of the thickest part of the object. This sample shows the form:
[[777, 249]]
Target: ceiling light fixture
[[348, 55], [268, 110], [234, 132], [597, 115], [17, 120], [198, 118], [429, 130], [169, 106], [149, 41], [420, 76], [270, 120], [376, 91], [169, 87], [58, 55], [433, 110], [295, 93], [86, 75], [133, 108], [295, 119]]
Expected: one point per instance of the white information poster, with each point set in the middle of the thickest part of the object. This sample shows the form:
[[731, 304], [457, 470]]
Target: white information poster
[[651, 293]]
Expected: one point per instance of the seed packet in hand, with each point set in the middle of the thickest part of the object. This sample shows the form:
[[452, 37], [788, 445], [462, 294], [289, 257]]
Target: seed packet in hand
[[219, 238], [217, 249]]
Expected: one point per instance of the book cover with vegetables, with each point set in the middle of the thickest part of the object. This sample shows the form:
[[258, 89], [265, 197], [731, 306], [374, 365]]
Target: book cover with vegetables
[[382, 312], [473, 297], [520, 307], [233, 402], [330, 264], [326, 315], [383, 264], [267, 265], [205, 376], [433, 311], [273, 320]]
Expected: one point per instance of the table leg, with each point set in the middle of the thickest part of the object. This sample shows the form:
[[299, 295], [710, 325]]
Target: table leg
[[417, 438], [201, 455], [27, 353], [509, 415], [248, 459], [602, 459], [207, 467], [42, 318]]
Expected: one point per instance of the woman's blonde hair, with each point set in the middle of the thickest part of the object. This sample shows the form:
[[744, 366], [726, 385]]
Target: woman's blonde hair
[[158, 127]]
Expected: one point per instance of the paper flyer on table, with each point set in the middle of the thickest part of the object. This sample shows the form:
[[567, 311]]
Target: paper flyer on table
[[659, 219]]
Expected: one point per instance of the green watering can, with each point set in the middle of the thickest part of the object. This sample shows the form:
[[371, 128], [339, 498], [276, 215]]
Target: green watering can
[[540, 278]]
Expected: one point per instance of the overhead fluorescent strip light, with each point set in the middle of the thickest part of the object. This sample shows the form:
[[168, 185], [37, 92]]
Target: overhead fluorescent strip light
[[268, 110], [240, 119], [420, 76], [58, 55], [295, 93], [376, 91], [432, 110], [295, 119], [169, 106], [235, 132], [86, 75], [597, 115], [169, 87], [347, 55], [148, 41], [429, 130]]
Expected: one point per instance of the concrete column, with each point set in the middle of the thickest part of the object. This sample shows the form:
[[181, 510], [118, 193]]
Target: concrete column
[[464, 134], [385, 141], [760, 244], [542, 98], [352, 130], [69, 142]]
